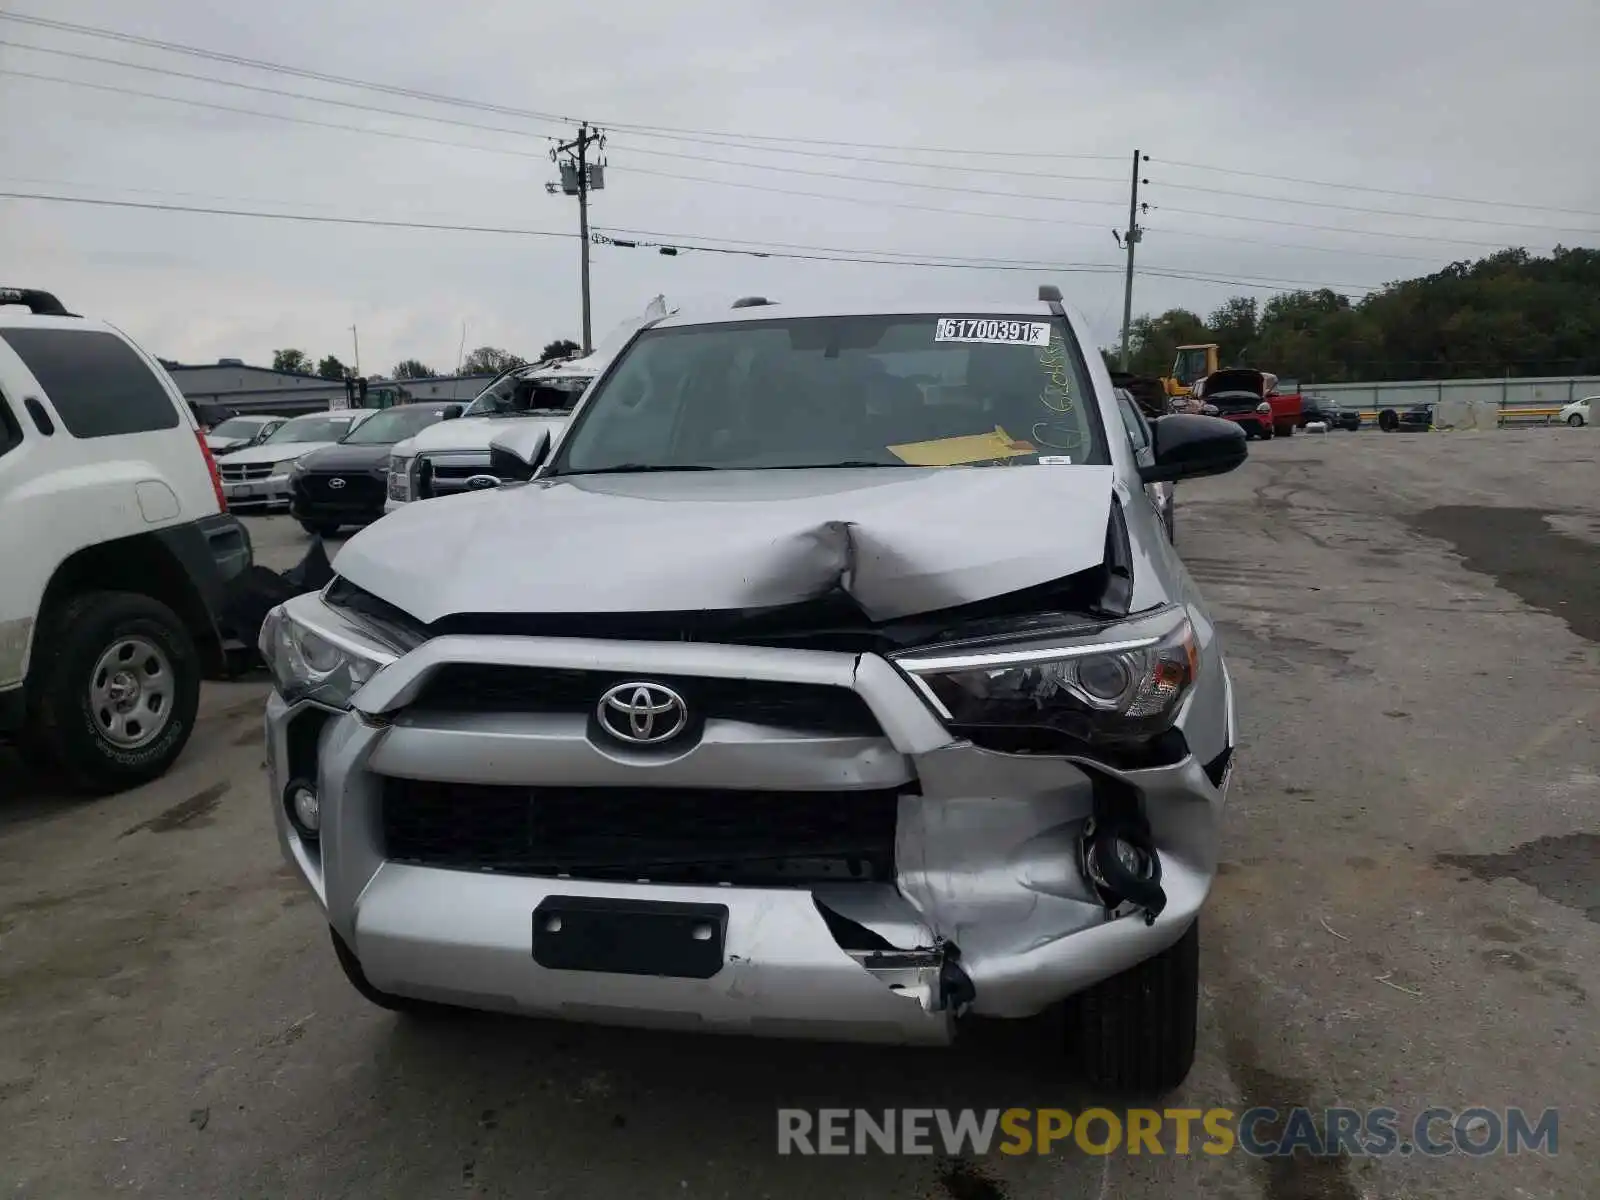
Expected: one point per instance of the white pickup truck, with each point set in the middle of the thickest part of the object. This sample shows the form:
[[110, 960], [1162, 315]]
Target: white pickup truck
[[454, 455]]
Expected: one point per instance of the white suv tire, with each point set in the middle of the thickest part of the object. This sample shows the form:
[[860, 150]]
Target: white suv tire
[[116, 688]]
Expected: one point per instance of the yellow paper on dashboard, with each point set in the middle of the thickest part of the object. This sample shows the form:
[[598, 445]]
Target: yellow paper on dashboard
[[960, 451]]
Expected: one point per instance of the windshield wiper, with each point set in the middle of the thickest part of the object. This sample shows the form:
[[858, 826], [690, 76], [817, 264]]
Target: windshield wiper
[[848, 462], [636, 469]]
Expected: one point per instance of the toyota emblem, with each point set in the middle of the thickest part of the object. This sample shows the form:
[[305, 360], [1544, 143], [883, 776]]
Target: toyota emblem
[[479, 482], [336, 484], [642, 713]]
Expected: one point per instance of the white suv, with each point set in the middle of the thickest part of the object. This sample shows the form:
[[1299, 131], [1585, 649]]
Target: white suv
[[117, 547]]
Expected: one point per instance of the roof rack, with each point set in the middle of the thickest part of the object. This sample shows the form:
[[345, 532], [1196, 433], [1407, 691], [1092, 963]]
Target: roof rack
[[751, 302], [40, 304]]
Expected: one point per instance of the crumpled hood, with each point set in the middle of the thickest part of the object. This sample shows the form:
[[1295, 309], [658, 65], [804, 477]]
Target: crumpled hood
[[898, 540], [279, 452], [471, 433], [341, 457], [220, 444]]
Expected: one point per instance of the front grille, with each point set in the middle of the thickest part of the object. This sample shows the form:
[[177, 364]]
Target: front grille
[[804, 707], [445, 475], [359, 488], [666, 835], [244, 472]]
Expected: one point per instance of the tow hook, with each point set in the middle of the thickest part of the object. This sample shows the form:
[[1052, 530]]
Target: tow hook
[[1121, 862]]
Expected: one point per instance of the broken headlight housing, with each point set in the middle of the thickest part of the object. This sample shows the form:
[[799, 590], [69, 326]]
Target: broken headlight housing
[[1101, 685], [325, 662]]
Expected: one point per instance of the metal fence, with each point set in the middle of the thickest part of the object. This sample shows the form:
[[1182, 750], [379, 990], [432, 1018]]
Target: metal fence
[[1548, 392]]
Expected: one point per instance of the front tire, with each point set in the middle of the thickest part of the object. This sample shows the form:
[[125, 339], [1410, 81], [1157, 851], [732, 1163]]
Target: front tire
[[1134, 1034], [1575, 420], [118, 688]]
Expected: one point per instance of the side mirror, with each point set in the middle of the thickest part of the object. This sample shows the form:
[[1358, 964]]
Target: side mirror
[[1187, 446], [515, 454], [450, 414]]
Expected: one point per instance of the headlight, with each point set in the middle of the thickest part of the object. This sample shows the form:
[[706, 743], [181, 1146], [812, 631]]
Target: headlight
[[400, 476], [1107, 684], [318, 665], [1263, 408]]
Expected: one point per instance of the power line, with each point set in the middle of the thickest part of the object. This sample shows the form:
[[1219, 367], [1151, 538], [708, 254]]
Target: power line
[[851, 177], [1383, 212], [818, 253], [283, 92], [506, 110], [270, 116], [395, 112], [269, 91], [1410, 237], [1360, 187], [311, 218], [412, 137]]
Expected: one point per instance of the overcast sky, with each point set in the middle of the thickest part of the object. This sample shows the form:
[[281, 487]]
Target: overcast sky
[[1461, 99]]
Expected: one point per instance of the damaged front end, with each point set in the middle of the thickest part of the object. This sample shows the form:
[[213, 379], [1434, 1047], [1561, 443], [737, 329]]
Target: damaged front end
[[979, 809]]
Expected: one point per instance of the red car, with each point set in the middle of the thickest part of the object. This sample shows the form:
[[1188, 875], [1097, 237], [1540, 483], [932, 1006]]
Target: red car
[[1251, 399]]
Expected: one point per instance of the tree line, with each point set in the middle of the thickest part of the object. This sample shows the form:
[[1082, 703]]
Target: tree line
[[1510, 313], [485, 360]]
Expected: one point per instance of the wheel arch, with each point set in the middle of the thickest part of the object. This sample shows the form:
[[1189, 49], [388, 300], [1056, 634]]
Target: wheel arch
[[143, 563]]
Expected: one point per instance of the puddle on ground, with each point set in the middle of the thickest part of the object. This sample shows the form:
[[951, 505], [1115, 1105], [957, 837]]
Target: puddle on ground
[[1565, 869], [1553, 572]]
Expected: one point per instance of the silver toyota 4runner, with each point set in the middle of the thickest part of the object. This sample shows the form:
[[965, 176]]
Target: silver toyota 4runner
[[833, 676]]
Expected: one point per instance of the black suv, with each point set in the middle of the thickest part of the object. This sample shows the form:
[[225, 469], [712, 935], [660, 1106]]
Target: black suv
[[346, 484]]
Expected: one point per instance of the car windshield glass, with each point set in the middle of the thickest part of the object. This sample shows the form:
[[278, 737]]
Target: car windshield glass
[[920, 390], [513, 396], [394, 425], [316, 428], [238, 427]]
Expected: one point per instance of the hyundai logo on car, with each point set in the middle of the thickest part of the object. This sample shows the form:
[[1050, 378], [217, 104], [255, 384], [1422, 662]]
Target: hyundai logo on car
[[642, 713], [336, 484]]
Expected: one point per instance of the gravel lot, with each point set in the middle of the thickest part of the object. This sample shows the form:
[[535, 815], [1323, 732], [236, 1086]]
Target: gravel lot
[[1409, 914]]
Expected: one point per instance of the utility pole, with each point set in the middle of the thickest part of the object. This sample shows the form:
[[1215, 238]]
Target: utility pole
[[1129, 240], [357, 338], [579, 177]]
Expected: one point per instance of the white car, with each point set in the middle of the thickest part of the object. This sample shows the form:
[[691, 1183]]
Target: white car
[[455, 456], [236, 433], [1579, 412], [117, 546], [259, 477]]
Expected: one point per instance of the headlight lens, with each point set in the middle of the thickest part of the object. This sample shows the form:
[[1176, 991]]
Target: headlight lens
[[308, 664], [1263, 408], [400, 477], [1106, 684]]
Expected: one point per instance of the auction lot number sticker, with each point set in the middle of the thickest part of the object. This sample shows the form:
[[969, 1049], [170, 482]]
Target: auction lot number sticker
[[1015, 333]]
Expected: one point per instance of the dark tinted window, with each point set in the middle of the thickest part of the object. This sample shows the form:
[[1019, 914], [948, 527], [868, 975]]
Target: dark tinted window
[[96, 382], [1133, 422], [10, 431]]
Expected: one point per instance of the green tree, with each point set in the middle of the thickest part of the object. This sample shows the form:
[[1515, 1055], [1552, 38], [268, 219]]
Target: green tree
[[1154, 341], [332, 368], [490, 360], [297, 361], [411, 368], [561, 347], [1233, 328]]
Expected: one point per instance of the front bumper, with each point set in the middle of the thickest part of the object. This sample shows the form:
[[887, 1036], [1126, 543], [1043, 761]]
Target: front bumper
[[271, 492], [986, 849], [307, 505]]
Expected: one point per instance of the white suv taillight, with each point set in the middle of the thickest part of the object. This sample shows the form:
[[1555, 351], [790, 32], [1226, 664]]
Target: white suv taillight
[[211, 466]]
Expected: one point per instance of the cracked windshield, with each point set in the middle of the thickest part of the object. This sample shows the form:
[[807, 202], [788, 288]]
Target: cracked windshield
[[861, 599]]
